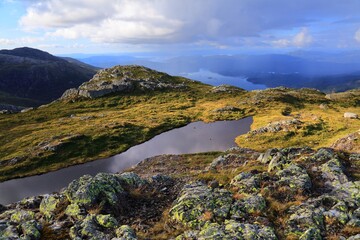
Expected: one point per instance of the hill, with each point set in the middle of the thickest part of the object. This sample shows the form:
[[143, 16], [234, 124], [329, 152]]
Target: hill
[[282, 182], [39, 76]]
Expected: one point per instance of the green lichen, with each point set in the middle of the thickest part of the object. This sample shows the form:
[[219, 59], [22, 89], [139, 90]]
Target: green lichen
[[106, 221]]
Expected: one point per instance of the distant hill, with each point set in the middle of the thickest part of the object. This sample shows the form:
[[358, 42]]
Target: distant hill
[[33, 74], [326, 72]]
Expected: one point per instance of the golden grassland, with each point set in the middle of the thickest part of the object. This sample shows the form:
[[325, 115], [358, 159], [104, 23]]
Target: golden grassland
[[86, 130]]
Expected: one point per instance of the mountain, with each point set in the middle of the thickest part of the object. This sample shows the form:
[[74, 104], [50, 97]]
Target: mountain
[[39, 76], [326, 72]]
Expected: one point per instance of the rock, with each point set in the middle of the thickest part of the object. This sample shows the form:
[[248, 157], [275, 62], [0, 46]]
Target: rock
[[106, 221], [214, 184], [248, 231], [226, 109], [222, 161], [230, 229], [197, 203], [304, 217], [226, 89], [311, 234], [349, 143], [356, 237], [323, 106], [285, 125], [333, 172], [122, 79], [246, 182], [49, 204], [131, 180], [74, 210], [31, 230], [351, 115], [125, 232], [30, 202], [266, 157], [10, 232], [241, 208], [87, 229], [19, 216], [104, 189], [295, 177], [277, 162], [27, 110]]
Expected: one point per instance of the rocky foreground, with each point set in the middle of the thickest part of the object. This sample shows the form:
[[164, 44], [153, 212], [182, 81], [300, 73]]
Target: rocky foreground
[[293, 193]]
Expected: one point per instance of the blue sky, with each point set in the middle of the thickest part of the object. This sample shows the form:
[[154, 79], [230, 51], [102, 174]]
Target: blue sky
[[180, 27]]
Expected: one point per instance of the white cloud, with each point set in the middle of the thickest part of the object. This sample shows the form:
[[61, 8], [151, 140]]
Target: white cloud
[[357, 35], [301, 39], [174, 21], [19, 41]]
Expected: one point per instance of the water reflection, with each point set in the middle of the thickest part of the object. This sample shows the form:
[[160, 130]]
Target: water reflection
[[193, 138]]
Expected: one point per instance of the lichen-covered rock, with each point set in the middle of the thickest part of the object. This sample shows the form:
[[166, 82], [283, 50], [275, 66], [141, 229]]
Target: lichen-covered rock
[[49, 204], [295, 177], [229, 230], [11, 232], [88, 229], [74, 210], [333, 172], [266, 157], [199, 203], [304, 217], [106, 221], [31, 230], [246, 182], [102, 189], [284, 125], [248, 231], [29, 203], [311, 234], [19, 216], [241, 208], [131, 180], [125, 232], [324, 154]]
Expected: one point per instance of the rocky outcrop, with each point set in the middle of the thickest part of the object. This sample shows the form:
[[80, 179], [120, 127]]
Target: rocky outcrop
[[285, 125], [349, 143], [224, 88], [292, 193], [123, 79]]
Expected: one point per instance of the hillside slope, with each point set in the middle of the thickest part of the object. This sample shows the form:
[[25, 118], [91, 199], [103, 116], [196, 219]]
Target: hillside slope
[[37, 75], [123, 106]]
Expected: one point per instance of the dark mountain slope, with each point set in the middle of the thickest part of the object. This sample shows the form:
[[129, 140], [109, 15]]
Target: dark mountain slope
[[34, 74]]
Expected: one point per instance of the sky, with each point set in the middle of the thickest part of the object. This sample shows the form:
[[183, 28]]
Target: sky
[[180, 27]]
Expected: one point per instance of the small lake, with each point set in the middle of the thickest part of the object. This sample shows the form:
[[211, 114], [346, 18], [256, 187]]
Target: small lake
[[192, 138]]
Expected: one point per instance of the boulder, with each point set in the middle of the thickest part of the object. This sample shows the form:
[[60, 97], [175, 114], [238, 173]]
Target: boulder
[[246, 182], [351, 115], [104, 189], [125, 232]]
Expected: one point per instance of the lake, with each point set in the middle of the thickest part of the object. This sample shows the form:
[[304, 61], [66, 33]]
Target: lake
[[216, 79], [192, 138]]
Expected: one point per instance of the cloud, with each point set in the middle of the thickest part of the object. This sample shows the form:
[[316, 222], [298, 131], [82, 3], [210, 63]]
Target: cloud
[[185, 21], [301, 39], [19, 41], [357, 35]]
